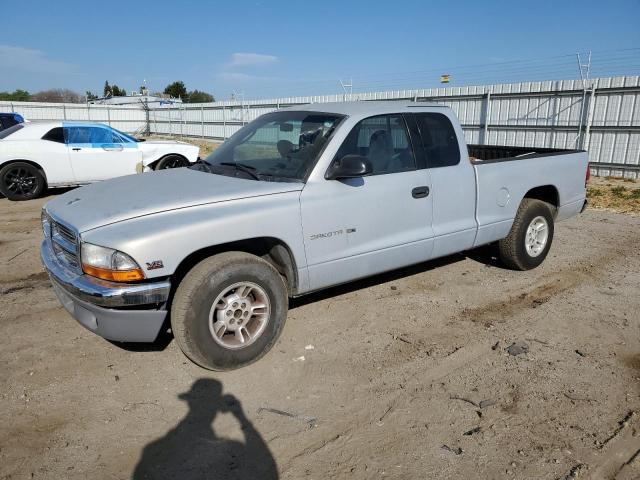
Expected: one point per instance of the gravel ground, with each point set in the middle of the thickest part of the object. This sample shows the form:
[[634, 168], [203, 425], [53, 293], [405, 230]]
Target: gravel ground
[[456, 368]]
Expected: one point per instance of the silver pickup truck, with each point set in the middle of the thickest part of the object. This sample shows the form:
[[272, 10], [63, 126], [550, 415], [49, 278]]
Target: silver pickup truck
[[296, 201]]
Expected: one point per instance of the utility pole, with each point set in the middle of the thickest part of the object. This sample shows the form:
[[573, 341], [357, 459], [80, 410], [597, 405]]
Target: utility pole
[[344, 88], [585, 70]]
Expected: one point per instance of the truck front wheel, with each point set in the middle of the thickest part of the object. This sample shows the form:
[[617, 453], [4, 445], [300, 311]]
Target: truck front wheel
[[229, 310], [530, 237]]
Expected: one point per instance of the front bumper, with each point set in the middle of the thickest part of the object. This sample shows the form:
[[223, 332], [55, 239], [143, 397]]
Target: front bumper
[[101, 306]]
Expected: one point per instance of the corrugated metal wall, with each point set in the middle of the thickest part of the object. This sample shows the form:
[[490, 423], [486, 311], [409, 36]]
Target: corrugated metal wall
[[603, 119], [128, 118]]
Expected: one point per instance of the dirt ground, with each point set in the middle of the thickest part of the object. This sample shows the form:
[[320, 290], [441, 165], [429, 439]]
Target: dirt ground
[[615, 194], [407, 375]]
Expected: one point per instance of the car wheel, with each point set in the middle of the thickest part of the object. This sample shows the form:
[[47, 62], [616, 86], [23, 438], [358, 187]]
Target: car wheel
[[229, 310], [21, 181], [529, 240], [171, 161]]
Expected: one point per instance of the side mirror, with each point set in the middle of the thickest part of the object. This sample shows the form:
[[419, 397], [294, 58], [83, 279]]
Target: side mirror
[[349, 166]]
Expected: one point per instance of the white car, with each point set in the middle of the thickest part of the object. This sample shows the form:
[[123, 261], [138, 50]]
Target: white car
[[38, 155]]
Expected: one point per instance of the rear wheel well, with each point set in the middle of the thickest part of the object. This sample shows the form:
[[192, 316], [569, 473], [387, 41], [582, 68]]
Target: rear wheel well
[[546, 193], [30, 162], [273, 250]]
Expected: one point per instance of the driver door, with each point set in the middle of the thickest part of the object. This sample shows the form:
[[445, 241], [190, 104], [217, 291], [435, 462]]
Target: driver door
[[361, 226], [98, 153]]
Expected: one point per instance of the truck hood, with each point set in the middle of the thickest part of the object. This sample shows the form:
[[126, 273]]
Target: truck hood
[[124, 198]]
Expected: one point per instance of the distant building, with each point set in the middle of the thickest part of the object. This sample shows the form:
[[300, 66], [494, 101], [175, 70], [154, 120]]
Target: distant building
[[136, 98]]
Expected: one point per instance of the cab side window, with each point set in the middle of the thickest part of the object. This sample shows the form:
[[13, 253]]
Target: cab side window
[[384, 141], [439, 140]]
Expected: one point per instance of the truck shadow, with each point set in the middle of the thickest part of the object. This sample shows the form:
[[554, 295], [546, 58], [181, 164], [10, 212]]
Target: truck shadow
[[193, 450]]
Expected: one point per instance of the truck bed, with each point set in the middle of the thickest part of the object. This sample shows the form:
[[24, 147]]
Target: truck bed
[[497, 153], [501, 184]]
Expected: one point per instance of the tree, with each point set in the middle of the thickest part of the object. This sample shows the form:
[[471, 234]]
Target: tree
[[196, 96], [17, 95], [107, 92], [91, 96], [61, 95], [117, 91], [177, 90]]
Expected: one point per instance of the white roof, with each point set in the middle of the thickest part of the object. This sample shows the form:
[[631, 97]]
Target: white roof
[[33, 129], [366, 107]]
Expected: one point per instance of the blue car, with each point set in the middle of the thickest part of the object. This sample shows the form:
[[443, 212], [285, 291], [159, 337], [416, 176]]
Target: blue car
[[9, 120]]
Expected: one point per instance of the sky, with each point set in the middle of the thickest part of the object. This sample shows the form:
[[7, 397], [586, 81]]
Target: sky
[[265, 49]]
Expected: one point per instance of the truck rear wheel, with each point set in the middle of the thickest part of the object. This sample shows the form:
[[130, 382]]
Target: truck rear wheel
[[529, 240], [229, 310]]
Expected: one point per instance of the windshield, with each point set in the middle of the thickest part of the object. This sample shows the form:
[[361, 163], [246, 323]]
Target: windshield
[[278, 146]]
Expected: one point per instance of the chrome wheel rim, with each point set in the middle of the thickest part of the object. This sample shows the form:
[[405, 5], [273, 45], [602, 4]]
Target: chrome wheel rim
[[537, 236], [239, 315]]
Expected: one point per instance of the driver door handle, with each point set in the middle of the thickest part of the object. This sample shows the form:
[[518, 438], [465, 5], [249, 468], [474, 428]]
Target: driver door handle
[[76, 149], [420, 192]]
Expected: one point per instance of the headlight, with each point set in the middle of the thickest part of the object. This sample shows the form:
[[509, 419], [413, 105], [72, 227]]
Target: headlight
[[46, 223], [109, 264]]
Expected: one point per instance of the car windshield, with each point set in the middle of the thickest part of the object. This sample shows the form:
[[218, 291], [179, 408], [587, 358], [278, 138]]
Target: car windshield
[[278, 146]]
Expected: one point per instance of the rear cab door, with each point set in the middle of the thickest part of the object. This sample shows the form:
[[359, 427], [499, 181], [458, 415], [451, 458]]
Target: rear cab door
[[453, 179], [97, 152]]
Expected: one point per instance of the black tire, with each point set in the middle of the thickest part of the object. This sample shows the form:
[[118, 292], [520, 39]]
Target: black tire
[[513, 249], [171, 161], [193, 302], [21, 181]]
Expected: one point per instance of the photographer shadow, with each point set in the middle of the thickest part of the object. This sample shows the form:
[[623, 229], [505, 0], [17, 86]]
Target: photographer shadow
[[192, 450]]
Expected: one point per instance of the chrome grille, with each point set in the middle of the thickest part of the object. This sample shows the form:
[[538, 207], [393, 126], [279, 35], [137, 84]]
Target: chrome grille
[[65, 232], [65, 244]]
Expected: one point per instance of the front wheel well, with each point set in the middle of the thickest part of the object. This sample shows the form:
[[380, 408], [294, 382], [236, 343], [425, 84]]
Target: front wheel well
[[153, 164], [273, 250], [30, 162]]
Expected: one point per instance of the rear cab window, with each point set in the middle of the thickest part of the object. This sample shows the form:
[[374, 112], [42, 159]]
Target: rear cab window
[[439, 139]]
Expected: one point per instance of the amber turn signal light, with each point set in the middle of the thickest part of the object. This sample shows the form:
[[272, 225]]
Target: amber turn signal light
[[113, 275]]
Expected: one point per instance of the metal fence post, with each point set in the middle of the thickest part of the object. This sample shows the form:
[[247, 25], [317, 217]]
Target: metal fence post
[[586, 139], [202, 118], [64, 111], [224, 124], [12, 109], [109, 116], [486, 114]]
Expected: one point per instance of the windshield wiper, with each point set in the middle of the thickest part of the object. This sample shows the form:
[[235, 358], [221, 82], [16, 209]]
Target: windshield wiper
[[249, 170]]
